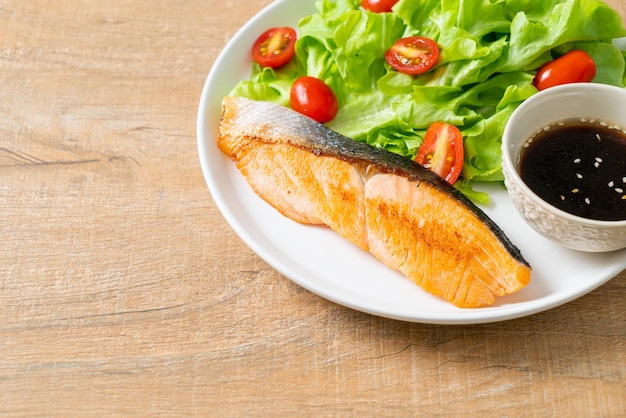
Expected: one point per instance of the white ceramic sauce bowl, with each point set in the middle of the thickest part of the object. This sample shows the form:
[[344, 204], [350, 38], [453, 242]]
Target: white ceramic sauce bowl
[[578, 100]]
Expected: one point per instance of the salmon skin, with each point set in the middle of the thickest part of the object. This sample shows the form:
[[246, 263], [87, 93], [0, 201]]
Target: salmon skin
[[405, 215]]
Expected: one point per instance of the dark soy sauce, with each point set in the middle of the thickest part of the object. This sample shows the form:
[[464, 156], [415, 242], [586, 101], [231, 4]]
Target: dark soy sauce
[[578, 166]]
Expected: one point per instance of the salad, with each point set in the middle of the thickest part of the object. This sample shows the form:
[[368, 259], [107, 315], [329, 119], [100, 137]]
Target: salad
[[490, 52]]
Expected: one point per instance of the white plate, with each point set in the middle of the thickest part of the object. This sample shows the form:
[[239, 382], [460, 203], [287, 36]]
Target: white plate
[[326, 264]]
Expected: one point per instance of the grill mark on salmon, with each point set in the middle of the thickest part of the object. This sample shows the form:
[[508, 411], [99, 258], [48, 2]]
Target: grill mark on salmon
[[405, 215]]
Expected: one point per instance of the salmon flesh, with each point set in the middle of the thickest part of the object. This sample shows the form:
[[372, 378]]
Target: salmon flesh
[[403, 214]]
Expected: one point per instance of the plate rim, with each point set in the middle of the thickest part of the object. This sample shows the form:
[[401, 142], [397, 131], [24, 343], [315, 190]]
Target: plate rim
[[464, 317]]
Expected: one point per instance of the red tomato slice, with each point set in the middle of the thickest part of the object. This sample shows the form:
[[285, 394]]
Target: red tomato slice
[[313, 98], [378, 6], [275, 47], [413, 55], [574, 67], [442, 151]]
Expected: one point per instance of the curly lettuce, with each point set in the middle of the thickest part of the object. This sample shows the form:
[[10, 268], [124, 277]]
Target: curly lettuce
[[490, 51]]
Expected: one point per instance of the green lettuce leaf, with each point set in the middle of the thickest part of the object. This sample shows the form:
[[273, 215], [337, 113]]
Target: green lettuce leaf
[[490, 52]]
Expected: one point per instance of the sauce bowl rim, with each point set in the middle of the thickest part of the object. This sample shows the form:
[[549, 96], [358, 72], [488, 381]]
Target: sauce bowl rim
[[511, 149]]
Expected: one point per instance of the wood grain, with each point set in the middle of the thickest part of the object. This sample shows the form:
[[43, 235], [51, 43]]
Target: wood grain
[[123, 291]]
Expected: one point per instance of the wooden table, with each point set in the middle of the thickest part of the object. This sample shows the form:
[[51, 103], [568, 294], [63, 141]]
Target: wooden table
[[123, 291]]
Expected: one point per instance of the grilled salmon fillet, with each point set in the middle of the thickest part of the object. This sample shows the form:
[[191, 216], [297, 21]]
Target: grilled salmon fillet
[[403, 214]]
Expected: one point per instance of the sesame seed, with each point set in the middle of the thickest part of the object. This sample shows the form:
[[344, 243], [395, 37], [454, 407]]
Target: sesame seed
[[598, 159], [618, 190], [578, 175], [577, 161], [583, 120], [562, 197], [611, 183], [598, 137], [624, 197], [547, 128], [623, 179], [597, 164], [575, 190], [604, 124], [587, 201]]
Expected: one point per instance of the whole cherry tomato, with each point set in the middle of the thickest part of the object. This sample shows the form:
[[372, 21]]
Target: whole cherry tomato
[[378, 6], [413, 55], [275, 47], [574, 67], [313, 98], [442, 151]]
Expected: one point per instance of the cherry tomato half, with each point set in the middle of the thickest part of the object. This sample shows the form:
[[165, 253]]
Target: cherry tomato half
[[275, 47], [413, 55], [313, 98], [442, 151], [574, 67], [378, 6]]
